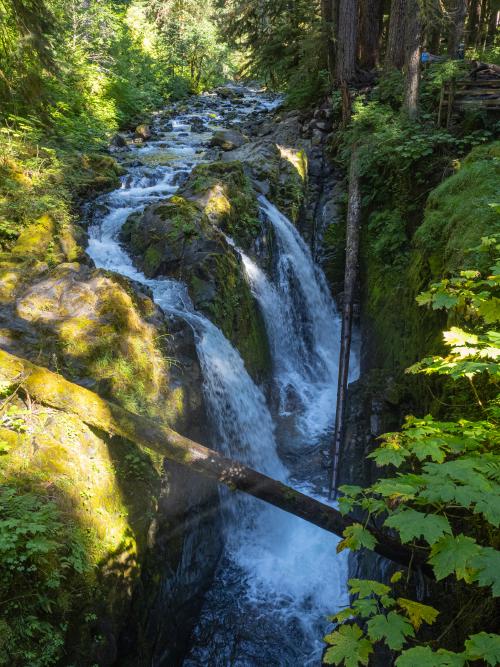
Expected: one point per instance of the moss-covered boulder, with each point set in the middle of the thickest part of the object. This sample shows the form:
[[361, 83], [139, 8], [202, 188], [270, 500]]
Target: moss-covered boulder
[[459, 212], [184, 237], [278, 171], [115, 514]]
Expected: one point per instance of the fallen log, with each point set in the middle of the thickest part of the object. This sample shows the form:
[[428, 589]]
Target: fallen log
[[53, 390]]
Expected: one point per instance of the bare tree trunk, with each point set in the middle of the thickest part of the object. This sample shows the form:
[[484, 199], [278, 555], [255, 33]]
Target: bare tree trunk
[[492, 26], [328, 18], [395, 53], [53, 390], [350, 279], [457, 28], [370, 28], [412, 58], [432, 38], [347, 40], [473, 22]]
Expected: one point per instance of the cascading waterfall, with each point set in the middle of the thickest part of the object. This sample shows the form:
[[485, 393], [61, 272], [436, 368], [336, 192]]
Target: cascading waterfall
[[279, 576]]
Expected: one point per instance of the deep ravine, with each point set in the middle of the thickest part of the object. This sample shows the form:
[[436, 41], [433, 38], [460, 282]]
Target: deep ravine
[[278, 577]]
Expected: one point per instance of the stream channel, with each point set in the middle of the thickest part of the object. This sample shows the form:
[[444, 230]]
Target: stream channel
[[279, 577]]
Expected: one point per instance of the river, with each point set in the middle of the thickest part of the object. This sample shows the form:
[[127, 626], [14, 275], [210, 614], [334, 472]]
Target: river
[[279, 577]]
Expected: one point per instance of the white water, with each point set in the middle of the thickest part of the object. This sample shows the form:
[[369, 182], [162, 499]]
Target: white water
[[280, 576]]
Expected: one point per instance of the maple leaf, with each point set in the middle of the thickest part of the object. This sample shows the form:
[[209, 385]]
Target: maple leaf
[[412, 524], [453, 554], [418, 613], [487, 562], [393, 629], [348, 647], [484, 646], [423, 655], [366, 587], [356, 537]]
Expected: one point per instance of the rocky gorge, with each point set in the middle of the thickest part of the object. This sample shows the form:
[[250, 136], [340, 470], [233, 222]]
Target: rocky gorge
[[201, 288]]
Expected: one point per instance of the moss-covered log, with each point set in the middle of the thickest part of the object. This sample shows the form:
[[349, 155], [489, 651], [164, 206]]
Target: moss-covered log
[[52, 389]]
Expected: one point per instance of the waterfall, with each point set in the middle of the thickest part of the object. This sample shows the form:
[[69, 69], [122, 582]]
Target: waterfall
[[279, 576]]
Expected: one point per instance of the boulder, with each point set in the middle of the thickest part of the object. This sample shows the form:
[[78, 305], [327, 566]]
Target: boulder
[[228, 140], [198, 125], [184, 238], [143, 132], [118, 141], [229, 92]]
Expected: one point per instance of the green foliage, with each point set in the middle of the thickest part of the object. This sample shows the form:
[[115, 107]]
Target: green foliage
[[282, 43], [460, 211], [347, 647], [444, 500], [101, 65], [41, 552]]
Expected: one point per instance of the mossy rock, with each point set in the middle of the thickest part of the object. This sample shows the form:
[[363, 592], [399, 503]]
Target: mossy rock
[[92, 173], [281, 170], [184, 238], [459, 213], [92, 499]]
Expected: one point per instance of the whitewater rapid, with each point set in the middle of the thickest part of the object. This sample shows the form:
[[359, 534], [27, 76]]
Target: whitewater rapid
[[279, 576]]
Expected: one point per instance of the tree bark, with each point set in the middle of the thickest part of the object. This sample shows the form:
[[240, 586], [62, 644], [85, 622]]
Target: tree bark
[[473, 22], [328, 18], [370, 28], [457, 28], [347, 41], [412, 58], [395, 53], [350, 279], [53, 390], [492, 25]]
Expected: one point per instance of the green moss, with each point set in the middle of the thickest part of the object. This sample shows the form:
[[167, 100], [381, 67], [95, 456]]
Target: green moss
[[459, 213], [228, 200], [235, 312], [82, 506], [152, 261]]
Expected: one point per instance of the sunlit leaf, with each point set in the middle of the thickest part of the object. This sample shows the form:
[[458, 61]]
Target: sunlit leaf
[[347, 647]]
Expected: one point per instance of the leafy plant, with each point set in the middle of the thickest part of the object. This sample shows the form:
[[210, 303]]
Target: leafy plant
[[444, 498]]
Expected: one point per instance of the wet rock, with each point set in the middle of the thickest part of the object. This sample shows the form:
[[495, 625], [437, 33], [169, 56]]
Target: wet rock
[[143, 132], [198, 125], [182, 238], [317, 137], [118, 141], [230, 92], [228, 140]]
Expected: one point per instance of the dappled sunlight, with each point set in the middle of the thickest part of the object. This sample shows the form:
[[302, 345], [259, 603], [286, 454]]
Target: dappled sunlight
[[297, 158]]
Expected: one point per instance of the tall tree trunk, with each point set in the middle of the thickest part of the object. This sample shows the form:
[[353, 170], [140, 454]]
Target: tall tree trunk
[[433, 40], [370, 28], [457, 28], [350, 279], [329, 29], [492, 25], [347, 40], [412, 58], [473, 22], [395, 53], [51, 389]]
